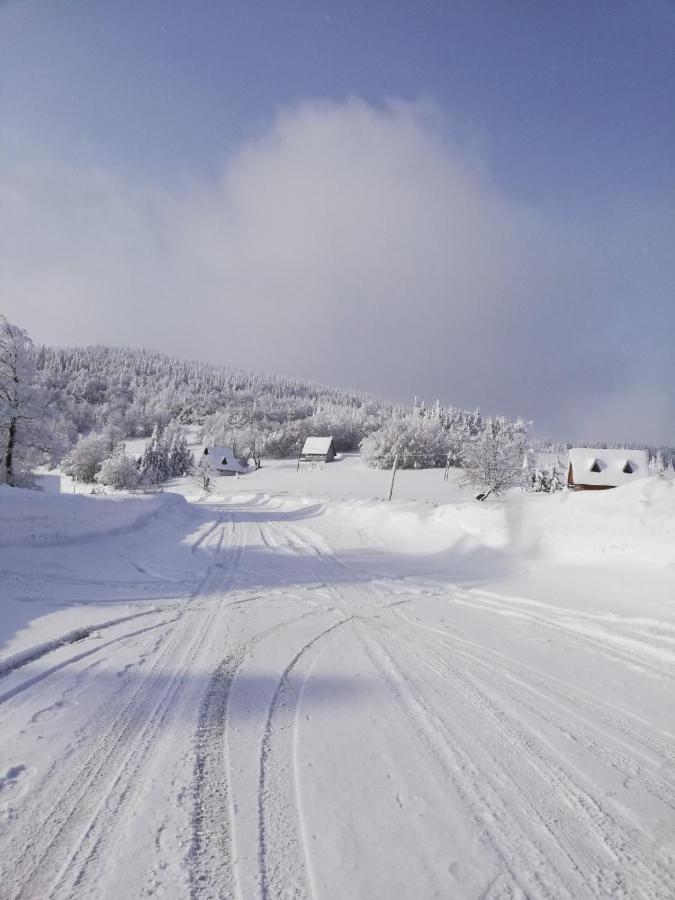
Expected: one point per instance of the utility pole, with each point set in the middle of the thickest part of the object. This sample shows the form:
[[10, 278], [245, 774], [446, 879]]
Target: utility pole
[[447, 469], [393, 476]]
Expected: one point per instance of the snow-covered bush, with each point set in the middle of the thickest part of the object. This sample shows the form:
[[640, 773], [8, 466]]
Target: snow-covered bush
[[493, 459], [85, 459], [119, 471], [418, 442], [543, 481]]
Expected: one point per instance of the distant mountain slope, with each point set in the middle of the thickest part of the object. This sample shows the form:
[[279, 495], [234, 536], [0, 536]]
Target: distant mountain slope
[[130, 389]]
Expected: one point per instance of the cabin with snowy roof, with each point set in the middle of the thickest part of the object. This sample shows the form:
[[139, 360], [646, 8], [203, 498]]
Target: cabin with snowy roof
[[595, 469], [223, 461], [318, 449]]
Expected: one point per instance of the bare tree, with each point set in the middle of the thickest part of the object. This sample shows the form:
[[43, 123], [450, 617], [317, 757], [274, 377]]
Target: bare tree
[[25, 436]]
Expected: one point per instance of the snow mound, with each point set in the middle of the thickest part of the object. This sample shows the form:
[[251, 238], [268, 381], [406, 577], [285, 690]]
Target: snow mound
[[34, 517], [419, 527], [634, 522]]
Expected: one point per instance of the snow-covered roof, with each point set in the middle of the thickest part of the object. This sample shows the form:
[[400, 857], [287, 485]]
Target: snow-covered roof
[[223, 459], [607, 468], [315, 446]]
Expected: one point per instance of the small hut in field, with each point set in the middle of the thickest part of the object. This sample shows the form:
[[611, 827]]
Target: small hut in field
[[595, 469], [318, 449]]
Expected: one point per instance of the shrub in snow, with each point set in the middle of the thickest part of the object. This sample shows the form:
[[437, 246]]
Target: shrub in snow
[[493, 459], [119, 471], [543, 481], [85, 459]]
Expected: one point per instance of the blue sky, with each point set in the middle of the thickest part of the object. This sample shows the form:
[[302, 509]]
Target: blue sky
[[545, 131]]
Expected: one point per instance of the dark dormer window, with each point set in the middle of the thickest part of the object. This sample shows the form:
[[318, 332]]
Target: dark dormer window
[[224, 461], [628, 469], [596, 466]]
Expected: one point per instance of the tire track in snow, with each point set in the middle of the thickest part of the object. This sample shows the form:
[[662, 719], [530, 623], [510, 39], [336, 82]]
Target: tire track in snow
[[619, 647], [597, 715], [580, 822], [503, 830], [217, 581], [615, 839], [284, 864], [212, 869], [490, 813], [72, 819], [33, 654], [548, 707], [46, 677]]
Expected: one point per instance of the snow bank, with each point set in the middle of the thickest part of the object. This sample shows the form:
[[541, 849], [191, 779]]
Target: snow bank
[[635, 522], [34, 517], [416, 527]]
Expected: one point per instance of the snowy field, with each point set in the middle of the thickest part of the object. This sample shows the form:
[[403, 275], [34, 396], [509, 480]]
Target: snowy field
[[291, 688]]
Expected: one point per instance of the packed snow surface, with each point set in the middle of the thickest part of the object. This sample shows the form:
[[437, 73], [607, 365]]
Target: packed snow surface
[[290, 688]]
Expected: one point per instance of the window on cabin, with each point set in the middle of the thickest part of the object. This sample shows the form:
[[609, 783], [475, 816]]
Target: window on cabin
[[596, 466], [628, 469], [223, 461]]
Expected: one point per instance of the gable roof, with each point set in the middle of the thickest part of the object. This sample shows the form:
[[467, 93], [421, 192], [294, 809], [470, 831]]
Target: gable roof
[[317, 446], [223, 459], [607, 468]]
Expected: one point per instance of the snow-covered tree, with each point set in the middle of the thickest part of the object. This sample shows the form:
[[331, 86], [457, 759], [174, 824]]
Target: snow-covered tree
[[205, 471], [494, 458], [26, 435], [179, 458], [418, 442], [119, 471], [154, 463]]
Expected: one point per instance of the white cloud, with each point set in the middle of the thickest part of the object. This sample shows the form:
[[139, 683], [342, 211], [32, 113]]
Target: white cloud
[[349, 244]]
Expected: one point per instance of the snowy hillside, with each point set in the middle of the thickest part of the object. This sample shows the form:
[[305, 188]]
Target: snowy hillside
[[289, 687]]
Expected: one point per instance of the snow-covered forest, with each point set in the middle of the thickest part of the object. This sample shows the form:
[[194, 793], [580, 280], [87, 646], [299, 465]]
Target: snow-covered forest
[[77, 405], [104, 394]]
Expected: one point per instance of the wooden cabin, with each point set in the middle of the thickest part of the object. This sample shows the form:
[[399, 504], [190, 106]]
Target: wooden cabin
[[318, 449], [223, 461], [596, 469]]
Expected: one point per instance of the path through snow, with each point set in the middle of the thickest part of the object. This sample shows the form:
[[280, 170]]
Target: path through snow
[[298, 725]]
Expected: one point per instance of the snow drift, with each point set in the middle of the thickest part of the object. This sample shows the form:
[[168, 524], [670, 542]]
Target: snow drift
[[33, 517], [635, 522]]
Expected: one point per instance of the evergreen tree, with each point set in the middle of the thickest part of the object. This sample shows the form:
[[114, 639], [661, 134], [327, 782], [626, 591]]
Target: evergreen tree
[[180, 459], [154, 463]]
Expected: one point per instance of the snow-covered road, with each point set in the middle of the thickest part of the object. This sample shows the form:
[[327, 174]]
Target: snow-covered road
[[315, 719]]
